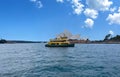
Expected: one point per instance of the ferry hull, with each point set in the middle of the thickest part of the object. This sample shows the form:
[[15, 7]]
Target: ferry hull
[[69, 45]]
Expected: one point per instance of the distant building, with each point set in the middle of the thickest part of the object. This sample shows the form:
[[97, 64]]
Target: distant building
[[78, 41], [72, 38]]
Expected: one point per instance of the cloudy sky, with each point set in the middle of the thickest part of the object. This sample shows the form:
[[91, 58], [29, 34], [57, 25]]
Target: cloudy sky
[[44, 19]]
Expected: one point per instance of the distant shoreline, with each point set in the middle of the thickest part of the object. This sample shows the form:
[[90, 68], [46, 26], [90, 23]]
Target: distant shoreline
[[97, 43], [18, 42]]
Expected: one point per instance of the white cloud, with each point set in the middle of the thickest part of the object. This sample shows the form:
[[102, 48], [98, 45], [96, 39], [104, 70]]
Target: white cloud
[[113, 9], [101, 5], [114, 18], [91, 13], [33, 0], [119, 10], [111, 32], [38, 3], [61, 1], [89, 23], [77, 6]]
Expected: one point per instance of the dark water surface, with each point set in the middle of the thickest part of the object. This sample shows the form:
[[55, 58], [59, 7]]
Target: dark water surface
[[83, 60]]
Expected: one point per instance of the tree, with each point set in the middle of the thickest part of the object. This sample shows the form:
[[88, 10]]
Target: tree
[[116, 38], [107, 37], [3, 41]]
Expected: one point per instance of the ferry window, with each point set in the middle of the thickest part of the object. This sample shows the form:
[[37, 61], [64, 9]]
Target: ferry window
[[52, 44], [65, 43]]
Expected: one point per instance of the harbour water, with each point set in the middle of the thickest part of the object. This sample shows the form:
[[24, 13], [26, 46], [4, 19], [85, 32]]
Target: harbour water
[[36, 60]]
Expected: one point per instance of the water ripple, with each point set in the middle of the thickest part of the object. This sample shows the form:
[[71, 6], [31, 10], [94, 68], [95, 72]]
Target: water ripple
[[36, 60]]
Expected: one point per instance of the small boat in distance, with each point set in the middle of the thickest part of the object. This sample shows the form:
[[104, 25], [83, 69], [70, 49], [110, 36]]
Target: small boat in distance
[[59, 42]]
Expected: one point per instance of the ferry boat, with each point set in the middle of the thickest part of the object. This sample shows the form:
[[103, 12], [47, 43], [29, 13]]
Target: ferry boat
[[59, 42]]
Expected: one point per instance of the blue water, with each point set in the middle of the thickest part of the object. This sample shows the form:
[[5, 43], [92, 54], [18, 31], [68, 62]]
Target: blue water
[[83, 60]]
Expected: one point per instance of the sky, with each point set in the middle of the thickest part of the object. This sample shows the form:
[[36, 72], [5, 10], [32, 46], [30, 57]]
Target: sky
[[41, 20]]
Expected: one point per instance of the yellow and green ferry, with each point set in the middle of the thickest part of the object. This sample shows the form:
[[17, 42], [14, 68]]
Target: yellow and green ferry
[[59, 42]]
